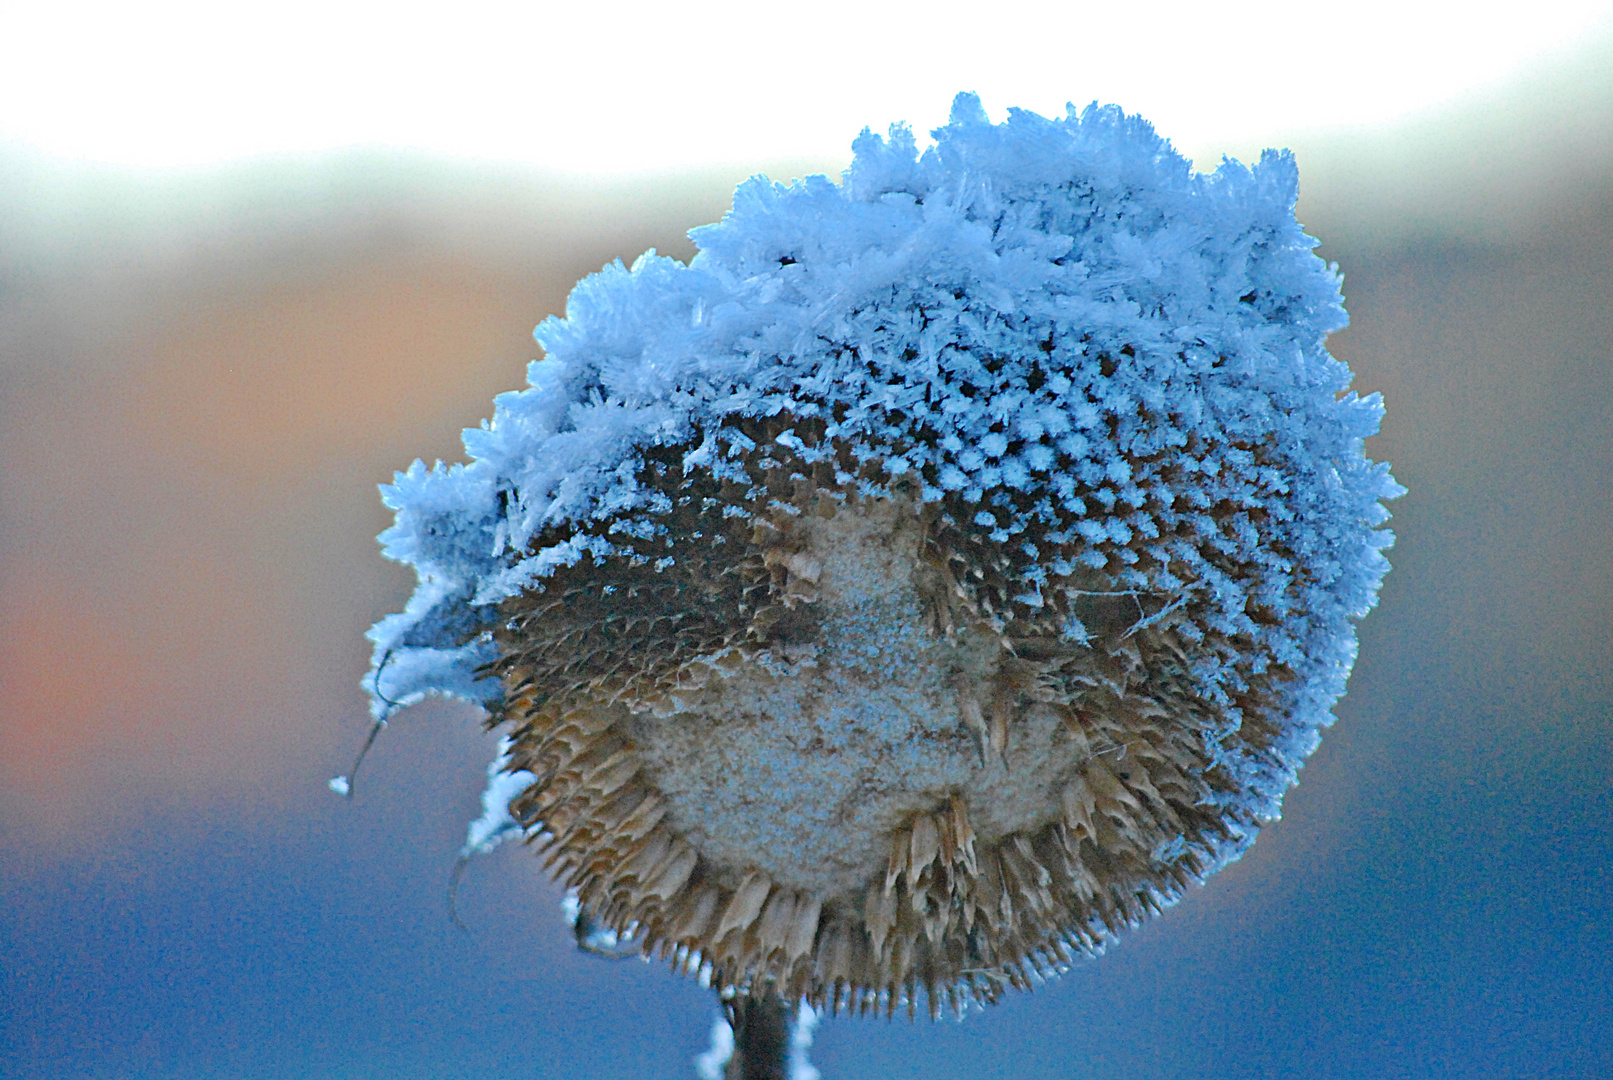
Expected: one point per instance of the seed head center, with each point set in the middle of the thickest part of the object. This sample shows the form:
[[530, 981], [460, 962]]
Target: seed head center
[[802, 765]]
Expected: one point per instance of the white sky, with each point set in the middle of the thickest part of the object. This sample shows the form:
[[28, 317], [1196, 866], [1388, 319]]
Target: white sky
[[600, 88]]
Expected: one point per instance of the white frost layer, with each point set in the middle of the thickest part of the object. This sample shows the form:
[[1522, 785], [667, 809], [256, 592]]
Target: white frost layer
[[709, 1065], [806, 1022], [496, 825], [1040, 317]]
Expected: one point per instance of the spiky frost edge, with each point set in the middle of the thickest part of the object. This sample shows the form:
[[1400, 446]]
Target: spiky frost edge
[[659, 353]]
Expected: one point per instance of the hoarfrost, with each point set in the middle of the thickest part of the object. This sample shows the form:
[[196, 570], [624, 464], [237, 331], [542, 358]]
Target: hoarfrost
[[709, 1065], [496, 825], [806, 1022], [1042, 316]]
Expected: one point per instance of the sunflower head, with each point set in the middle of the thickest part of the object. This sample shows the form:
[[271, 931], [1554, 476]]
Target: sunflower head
[[934, 577]]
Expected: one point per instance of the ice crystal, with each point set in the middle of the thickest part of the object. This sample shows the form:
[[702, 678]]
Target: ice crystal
[[1099, 376]]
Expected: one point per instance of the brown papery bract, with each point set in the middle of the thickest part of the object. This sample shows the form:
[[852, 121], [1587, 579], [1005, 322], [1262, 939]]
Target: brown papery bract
[[820, 752]]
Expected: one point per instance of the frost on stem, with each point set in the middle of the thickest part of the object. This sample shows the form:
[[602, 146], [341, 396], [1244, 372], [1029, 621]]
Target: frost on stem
[[931, 579], [760, 1038]]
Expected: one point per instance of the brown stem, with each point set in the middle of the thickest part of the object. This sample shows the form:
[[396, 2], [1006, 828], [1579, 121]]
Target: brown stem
[[761, 1024]]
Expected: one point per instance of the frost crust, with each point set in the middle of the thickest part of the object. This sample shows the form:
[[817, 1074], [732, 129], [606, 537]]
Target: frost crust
[[1055, 319]]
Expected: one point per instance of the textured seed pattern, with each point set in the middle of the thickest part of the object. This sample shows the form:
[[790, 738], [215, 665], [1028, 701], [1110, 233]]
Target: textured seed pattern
[[1127, 816], [927, 580]]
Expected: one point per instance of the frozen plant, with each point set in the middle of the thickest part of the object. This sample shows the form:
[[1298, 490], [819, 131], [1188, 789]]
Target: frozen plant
[[934, 577]]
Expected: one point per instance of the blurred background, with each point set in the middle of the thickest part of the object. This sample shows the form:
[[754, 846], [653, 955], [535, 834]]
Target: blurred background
[[252, 262]]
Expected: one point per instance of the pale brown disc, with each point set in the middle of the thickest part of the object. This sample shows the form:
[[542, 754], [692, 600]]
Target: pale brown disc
[[814, 744]]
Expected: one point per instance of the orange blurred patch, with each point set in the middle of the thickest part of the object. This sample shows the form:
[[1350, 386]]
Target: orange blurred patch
[[67, 680], [168, 683], [268, 383]]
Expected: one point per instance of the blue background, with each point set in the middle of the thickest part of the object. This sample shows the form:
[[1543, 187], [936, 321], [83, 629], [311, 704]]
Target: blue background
[[180, 897]]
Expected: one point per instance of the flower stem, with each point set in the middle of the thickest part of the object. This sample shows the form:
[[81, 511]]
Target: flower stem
[[761, 1024]]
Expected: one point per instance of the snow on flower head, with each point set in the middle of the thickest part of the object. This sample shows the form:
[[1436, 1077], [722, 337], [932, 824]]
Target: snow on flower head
[[934, 576]]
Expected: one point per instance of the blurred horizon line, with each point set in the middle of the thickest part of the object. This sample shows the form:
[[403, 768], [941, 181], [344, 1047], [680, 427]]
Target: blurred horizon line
[[1490, 167]]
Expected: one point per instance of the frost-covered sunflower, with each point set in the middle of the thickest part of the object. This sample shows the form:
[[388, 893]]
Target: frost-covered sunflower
[[932, 578]]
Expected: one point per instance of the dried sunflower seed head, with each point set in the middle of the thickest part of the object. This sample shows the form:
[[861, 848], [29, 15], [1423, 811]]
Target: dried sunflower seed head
[[933, 578]]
